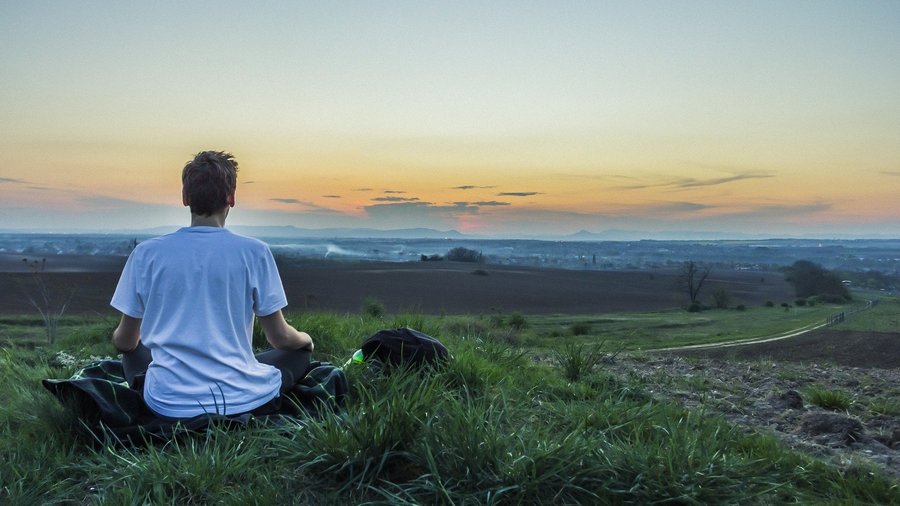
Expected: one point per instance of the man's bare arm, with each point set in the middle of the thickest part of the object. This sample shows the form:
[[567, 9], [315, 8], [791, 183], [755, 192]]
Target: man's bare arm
[[128, 334], [281, 335]]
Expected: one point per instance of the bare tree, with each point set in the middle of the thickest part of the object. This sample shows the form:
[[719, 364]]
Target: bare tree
[[50, 303], [692, 277]]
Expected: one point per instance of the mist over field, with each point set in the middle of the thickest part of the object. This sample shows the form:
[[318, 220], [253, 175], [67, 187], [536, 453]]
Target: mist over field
[[859, 255]]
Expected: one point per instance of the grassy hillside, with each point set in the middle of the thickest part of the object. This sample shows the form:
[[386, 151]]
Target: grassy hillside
[[494, 426]]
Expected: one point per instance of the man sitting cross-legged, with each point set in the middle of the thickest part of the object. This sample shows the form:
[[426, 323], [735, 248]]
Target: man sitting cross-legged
[[188, 300]]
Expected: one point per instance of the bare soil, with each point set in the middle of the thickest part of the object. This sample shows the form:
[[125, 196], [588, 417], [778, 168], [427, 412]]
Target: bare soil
[[426, 287], [766, 388], [845, 348]]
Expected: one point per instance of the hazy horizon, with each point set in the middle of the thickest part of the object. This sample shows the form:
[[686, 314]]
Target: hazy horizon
[[610, 235], [501, 120]]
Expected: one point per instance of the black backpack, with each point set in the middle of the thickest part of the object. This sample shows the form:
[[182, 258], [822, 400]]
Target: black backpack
[[404, 347]]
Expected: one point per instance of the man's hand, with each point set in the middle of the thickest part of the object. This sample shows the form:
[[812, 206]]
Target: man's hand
[[281, 335], [127, 335]]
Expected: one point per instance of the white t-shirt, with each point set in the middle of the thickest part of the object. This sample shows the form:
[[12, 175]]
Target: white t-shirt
[[196, 291]]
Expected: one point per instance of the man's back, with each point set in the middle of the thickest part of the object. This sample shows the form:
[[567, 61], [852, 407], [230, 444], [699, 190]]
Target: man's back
[[196, 291], [187, 301]]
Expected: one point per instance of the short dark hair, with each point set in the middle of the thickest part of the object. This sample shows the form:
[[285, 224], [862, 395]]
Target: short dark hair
[[208, 179]]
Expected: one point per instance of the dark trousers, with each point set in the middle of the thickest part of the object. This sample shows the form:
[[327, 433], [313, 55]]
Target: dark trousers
[[293, 364]]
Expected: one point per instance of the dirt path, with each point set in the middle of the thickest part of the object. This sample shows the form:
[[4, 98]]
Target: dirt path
[[761, 340], [744, 342]]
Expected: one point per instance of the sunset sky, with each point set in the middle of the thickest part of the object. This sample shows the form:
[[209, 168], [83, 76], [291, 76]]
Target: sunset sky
[[510, 118]]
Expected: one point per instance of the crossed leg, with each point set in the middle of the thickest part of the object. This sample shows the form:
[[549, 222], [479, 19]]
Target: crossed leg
[[293, 364]]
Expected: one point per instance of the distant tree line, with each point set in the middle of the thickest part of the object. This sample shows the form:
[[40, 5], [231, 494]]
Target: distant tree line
[[812, 280], [458, 254]]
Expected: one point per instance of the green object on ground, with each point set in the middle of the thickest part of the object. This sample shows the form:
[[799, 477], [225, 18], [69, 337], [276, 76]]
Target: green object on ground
[[357, 358]]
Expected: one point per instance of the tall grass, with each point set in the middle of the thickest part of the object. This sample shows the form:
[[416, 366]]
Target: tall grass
[[490, 427], [576, 360], [834, 399]]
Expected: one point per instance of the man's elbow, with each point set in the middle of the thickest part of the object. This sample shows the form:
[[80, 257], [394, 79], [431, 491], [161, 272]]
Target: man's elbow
[[122, 343], [126, 336]]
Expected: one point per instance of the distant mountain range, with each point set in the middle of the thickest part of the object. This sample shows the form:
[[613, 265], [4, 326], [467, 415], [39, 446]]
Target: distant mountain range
[[289, 231], [352, 233]]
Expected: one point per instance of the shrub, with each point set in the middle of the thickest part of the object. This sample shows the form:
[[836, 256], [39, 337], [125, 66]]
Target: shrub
[[480, 272], [887, 407], [517, 320], [721, 298], [496, 321], [49, 300], [461, 254], [581, 328], [577, 360], [373, 307], [837, 400], [830, 298], [695, 307], [800, 302], [769, 303], [740, 307]]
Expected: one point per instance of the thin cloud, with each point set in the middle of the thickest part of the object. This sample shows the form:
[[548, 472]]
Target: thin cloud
[[455, 207], [389, 192], [396, 207], [490, 203], [518, 194], [395, 199], [472, 187], [401, 205], [11, 180], [331, 196], [642, 186], [893, 173], [304, 203], [248, 182], [695, 183], [692, 182], [362, 189], [600, 177], [679, 207]]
